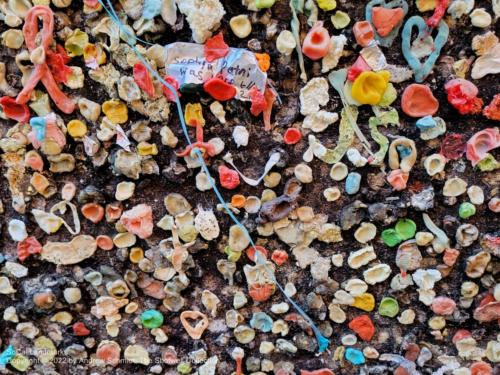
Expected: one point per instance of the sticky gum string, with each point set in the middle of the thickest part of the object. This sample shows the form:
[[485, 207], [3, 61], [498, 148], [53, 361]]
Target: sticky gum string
[[323, 342]]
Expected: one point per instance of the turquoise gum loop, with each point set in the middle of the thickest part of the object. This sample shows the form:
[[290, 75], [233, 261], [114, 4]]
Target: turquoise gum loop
[[322, 341], [422, 69]]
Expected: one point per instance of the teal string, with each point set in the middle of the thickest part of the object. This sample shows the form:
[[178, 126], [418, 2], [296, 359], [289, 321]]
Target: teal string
[[323, 342]]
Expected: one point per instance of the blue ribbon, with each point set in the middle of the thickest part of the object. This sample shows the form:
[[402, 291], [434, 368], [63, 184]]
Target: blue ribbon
[[322, 341]]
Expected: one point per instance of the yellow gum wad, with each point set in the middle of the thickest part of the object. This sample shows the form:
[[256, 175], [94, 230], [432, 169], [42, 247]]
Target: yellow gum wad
[[194, 115], [365, 302], [369, 87]]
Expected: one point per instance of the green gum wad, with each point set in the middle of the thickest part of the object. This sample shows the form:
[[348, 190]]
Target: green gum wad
[[405, 228], [297, 6], [388, 307], [389, 96], [340, 19], [390, 237], [152, 319], [327, 5], [20, 362], [346, 137], [75, 44], [466, 210], [232, 256], [262, 4], [190, 88], [488, 163], [184, 368], [381, 118]]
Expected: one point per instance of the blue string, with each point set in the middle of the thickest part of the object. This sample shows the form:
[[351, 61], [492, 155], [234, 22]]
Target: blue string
[[322, 341]]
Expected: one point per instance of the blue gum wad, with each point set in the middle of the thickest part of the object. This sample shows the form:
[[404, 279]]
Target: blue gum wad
[[39, 124], [431, 129], [7, 355], [403, 151], [426, 123], [422, 69], [262, 322], [354, 356], [352, 183]]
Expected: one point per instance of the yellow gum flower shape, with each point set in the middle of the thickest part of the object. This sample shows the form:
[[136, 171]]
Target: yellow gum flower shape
[[369, 87]]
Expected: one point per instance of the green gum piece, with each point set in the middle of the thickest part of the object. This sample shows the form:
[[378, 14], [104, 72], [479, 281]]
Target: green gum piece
[[390, 237], [488, 164], [76, 42], [389, 96], [346, 136], [312, 10], [388, 307], [232, 256], [390, 117], [406, 229], [327, 5], [466, 210], [152, 319], [264, 4], [184, 368], [20, 362], [340, 19]]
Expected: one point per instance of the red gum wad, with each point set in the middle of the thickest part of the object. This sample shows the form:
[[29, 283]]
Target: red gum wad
[[317, 42], [385, 20]]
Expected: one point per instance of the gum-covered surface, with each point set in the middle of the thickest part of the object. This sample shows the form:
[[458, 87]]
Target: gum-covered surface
[[449, 290]]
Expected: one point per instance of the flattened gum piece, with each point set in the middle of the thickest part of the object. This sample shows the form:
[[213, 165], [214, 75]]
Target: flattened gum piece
[[363, 32], [385, 20], [418, 101]]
